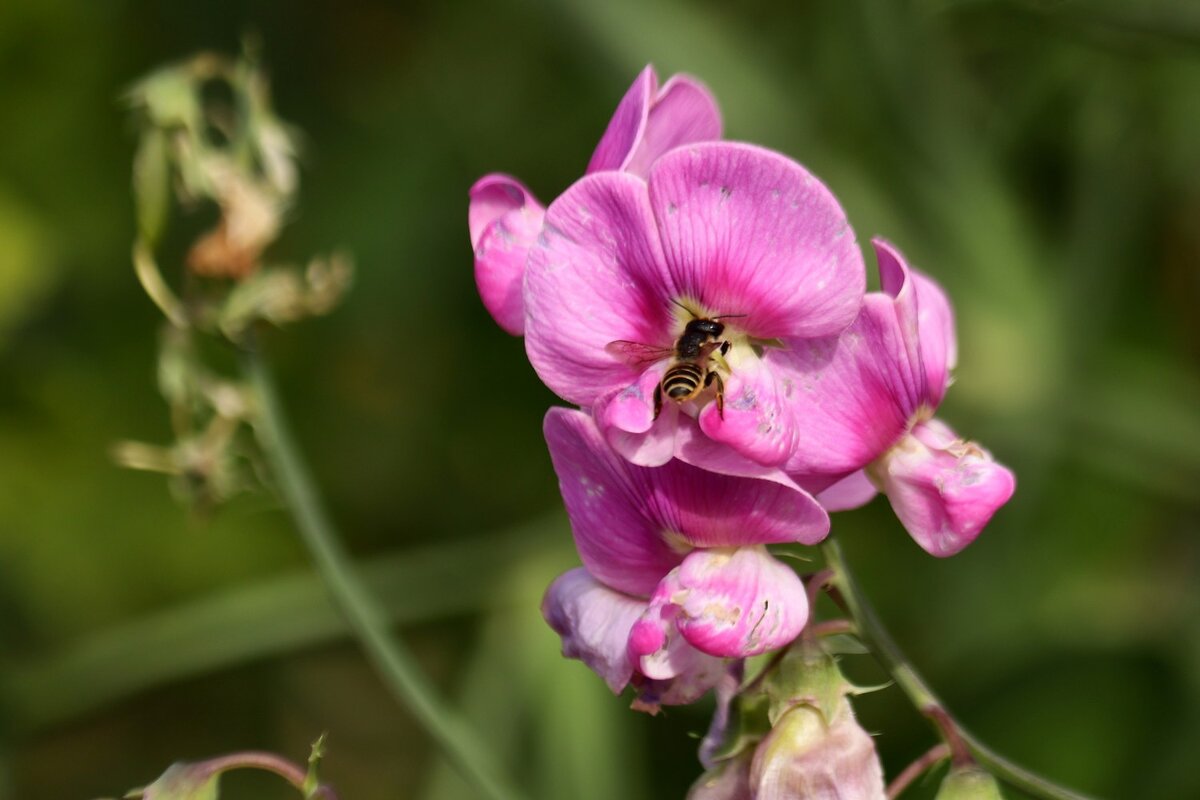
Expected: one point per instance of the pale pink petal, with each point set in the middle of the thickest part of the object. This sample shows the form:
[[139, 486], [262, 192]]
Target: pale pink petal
[[619, 543], [811, 755], [627, 124], [729, 603], [943, 489], [757, 419], [632, 409], [504, 218], [852, 395], [650, 448], [853, 491], [746, 231], [594, 623], [683, 112], [595, 277], [925, 316]]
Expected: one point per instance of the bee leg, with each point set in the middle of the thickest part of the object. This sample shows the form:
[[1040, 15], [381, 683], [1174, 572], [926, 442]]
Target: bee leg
[[657, 400], [724, 347], [715, 377]]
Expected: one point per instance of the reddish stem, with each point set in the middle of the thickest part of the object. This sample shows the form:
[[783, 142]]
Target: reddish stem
[[938, 752]]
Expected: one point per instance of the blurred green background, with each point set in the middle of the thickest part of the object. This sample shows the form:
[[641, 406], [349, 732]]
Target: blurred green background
[[1041, 159]]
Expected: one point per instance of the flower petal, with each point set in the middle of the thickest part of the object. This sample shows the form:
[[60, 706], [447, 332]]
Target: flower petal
[[683, 112], [807, 758], [757, 420], [633, 524], [594, 623], [652, 447], [852, 491], [627, 124], [944, 490], [618, 540], [730, 603], [748, 232], [853, 394], [595, 277], [504, 218], [925, 316]]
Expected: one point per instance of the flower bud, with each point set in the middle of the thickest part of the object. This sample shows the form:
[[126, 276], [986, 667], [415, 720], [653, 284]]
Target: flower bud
[[808, 756], [729, 780], [969, 783]]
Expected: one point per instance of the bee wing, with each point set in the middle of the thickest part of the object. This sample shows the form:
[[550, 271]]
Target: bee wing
[[636, 354]]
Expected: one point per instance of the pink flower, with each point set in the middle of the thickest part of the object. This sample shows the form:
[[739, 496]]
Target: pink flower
[[505, 217], [717, 230], [676, 577], [868, 399]]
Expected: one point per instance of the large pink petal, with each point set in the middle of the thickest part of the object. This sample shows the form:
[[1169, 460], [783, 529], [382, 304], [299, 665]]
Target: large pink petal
[[594, 623], [727, 603], [757, 419], [619, 541], [925, 317], [628, 122], [943, 489], [595, 276], [504, 218], [682, 113], [633, 524], [749, 232], [852, 395]]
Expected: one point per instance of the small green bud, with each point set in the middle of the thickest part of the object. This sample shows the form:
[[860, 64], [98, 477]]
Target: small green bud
[[807, 675], [182, 782], [969, 783]]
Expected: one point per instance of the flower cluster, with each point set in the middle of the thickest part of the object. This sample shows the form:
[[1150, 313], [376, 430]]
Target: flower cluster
[[704, 304]]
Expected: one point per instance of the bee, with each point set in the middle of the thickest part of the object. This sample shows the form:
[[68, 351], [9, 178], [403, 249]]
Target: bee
[[693, 369]]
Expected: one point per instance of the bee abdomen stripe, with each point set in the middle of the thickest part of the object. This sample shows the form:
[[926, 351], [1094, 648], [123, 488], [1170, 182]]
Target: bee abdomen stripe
[[682, 379]]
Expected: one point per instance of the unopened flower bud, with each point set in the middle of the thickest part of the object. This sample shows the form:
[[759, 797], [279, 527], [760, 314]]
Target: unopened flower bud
[[808, 756], [183, 782], [969, 783]]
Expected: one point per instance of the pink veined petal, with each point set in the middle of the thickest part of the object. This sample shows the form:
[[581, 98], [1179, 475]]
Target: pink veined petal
[[944, 490], [757, 420], [850, 492], [618, 541], [683, 112], [504, 218], [732, 603], [594, 623], [925, 317], [633, 524], [746, 231], [627, 124], [594, 277], [852, 395]]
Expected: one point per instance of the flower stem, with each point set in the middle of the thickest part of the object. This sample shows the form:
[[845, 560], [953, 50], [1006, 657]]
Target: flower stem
[[877, 638], [938, 752], [364, 613]]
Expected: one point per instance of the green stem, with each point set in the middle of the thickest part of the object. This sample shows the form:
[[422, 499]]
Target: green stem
[[876, 637], [365, 615]]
